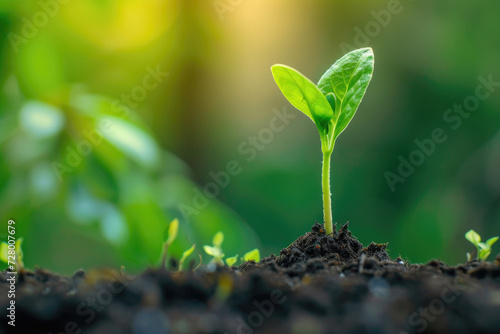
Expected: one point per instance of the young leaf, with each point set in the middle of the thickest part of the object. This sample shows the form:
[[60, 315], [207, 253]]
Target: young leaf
[[491, 241], [303, 94], [231, 260], [348, 80], [185, 256], [218, 239], [252, 255], [173, 228], [212, 251], [4, 252], [484, 253], [473, 237]]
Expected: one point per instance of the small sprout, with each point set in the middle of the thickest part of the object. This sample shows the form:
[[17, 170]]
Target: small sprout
[[231, 260], [12, 254], [483, 248], [185, 255], [330, 105], [252, 255], [215, 250], [172, 231]]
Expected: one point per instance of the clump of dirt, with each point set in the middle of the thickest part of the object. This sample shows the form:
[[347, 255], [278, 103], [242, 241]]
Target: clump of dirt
[[338, 248]]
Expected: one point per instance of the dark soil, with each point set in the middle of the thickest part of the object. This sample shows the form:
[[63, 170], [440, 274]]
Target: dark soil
[[318, 284]]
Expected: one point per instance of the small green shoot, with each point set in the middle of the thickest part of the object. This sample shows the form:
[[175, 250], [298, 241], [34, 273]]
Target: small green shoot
[[252, 255], [215, 250], [483, 248], [330, 105], [185, 255], [231, 260], [12, 254], [172, 231]]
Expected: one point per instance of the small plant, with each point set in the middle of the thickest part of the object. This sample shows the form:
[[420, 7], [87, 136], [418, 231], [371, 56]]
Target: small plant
[[216, 252], [185, 255], [483, 248], [330, 105], [171, 232], [12, 254]]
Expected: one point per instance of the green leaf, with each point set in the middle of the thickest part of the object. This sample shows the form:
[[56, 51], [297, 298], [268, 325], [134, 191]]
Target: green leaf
[[484, 253], [185, 255], [483, 245], [213, 251], [173, 229], [491, 241], [303, 94], [348, 80], [473, 237], [231, 260], [252, 255], [218, 239]]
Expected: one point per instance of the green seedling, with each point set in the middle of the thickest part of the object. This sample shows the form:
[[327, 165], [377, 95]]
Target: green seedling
[[185, 255], [12, 254], [172, 231], [483, 248], [232, 260], [330, 105], [252, 255], [215, 250]]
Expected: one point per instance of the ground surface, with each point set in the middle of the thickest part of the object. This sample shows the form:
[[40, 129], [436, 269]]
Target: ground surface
[[318, 284]]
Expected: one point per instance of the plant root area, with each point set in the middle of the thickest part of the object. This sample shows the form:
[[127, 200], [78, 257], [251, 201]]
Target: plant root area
[[319, 284]]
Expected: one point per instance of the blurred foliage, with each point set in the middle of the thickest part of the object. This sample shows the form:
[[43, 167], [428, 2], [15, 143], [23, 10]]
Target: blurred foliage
[[88, 63]]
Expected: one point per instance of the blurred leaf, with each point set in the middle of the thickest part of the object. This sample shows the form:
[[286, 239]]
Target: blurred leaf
[[473, 237], [252, 255], [491, 241], [218, 239], [185, 255], [231, 260], [41, 120], [131, 140], [173, 228]]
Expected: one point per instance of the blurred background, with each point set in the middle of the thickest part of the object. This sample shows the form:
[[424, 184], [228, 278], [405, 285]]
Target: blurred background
[[118, 116]]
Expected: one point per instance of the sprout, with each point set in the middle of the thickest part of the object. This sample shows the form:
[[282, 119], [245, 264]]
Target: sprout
[[185, 255], [252, 255], [172, 231], [215, 250], [331, 105], [483, 248], [12, 254]]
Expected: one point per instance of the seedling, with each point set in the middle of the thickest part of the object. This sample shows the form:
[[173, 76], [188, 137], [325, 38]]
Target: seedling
[[330, 105], [12, 254], [172, 231], [185, 255], [215, 250], [252, 255], [483, 248]]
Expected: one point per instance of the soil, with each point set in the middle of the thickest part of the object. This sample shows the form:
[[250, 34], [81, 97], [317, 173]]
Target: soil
[[319, 284]]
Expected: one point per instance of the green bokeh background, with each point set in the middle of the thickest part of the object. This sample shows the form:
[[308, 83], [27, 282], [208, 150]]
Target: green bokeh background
[[65, 67]]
